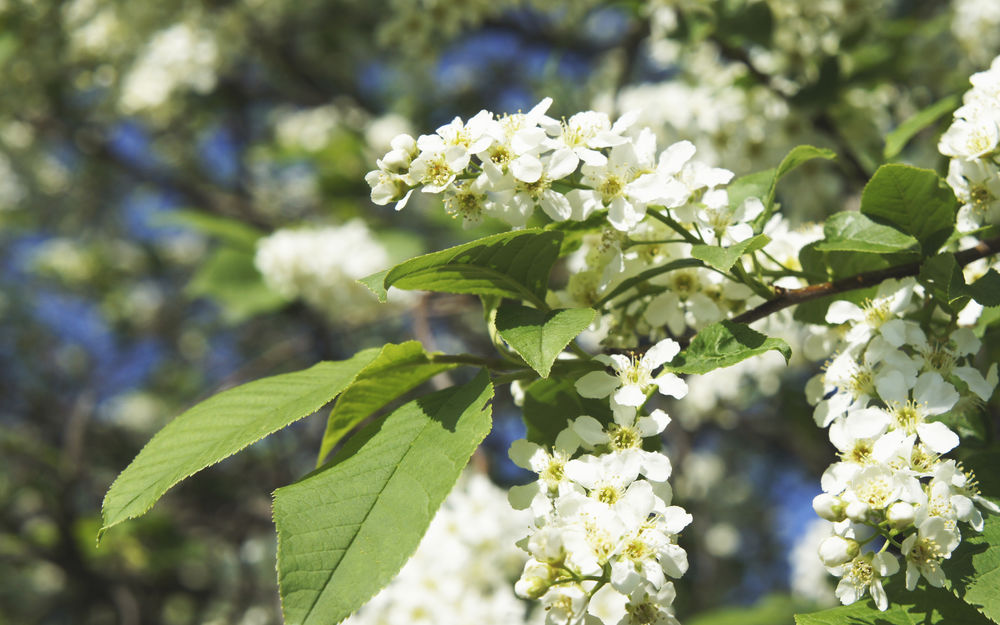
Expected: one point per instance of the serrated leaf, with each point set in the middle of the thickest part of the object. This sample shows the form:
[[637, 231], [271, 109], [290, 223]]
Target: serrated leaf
[[757, 184], [723, 258], [896, 140], [230, 278], [396, 370], [924, 606], [943, 279], [233, 231], [550, 403], [724, 344], [221, 426], [915, 201], [853, 232], [512, 264], [346, 529], [764, 184], [973, 570], [539, 336], [376, 284], [797, 156], [986, 290]]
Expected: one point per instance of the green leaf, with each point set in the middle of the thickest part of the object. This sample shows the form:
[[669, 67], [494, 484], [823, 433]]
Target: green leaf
[[758, 184], [943, 279], [924, 606], [550, 403], [915, 201], [230, 278], [764, 184], [797, 156], [723, 258], [723, 344], [234, 232], [221, 426], [974, 567], [538, 336], [853, 232], [512, 264], [376, 284], [346, 529], [896, 140], [396, 370], [986, 290]]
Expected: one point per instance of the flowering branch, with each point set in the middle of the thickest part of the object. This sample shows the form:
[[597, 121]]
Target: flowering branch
[[790, 297]]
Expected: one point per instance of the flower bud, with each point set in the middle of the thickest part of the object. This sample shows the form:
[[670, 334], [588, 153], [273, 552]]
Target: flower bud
[[404, 143], [395, 161], [829, 507], [837, 550], [858, 511], [534, 581], [900, 515]]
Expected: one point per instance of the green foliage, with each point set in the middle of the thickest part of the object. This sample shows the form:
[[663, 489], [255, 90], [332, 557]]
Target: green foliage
[[853, 232], [974, 568], [538, 336], [764, 184], [771, 610], [231, 231], [511, 264], [724, 344], [396, 370], [926, 605], [943, 279], [550, 403], [230, 278], [221, 426], [347, 528], [723, 258], [913, 200], [896, 140]]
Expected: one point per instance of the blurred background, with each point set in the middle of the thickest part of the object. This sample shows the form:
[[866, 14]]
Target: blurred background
[[150, 151]]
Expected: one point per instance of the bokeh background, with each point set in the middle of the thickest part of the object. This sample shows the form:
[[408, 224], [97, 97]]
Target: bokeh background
[[147, 148]]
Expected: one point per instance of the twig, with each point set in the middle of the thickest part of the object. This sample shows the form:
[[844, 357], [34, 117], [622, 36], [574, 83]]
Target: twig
[[790, 297]]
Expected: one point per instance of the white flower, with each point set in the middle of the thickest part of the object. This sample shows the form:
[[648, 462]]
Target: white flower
[[865, 574], [878, 315], [970, 139], [924, 549], [634, 377]]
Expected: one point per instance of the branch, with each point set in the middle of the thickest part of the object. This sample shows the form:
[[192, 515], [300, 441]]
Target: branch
[[790, 297]]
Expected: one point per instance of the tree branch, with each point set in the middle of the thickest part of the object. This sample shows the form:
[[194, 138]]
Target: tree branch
[[790, 297]]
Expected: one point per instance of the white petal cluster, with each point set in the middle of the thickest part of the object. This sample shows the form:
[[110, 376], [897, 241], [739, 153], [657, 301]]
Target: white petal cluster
[[178, 57], [462, 570], [883, 397], [507, 166], [973, 143], [604, 538], [322, 265]]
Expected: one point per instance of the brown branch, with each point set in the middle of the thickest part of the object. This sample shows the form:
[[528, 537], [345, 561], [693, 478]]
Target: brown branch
[[790, 297]]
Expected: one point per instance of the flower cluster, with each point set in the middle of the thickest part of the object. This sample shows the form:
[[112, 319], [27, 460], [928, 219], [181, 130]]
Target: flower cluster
[[603, 542], [656, 205], [507, 166], [461, 571], [973, 143], [883, 397], [322, 265], [175, 58]]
